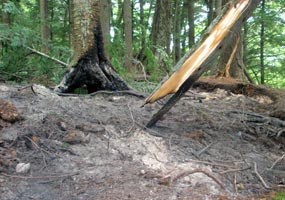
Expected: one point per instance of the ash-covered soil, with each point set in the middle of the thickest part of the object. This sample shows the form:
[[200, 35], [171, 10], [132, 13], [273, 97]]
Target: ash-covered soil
[[211, 145]]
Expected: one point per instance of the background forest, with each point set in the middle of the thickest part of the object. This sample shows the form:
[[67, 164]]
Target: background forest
[[143, 38]]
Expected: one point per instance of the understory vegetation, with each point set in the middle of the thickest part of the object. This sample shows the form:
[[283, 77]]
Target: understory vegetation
[[20, 31]]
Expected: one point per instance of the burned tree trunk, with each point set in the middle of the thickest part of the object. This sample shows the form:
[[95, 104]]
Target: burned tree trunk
[[89, 64]]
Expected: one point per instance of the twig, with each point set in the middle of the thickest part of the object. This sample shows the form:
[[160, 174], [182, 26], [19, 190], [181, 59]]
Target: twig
[[205, 149], [277, 161], [39, 177], [210, 163], [168, 179], [235, 170], [37, 146], [260, 177], [28, 86]]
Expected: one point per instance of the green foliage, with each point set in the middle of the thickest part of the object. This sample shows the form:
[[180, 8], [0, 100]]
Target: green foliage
[[279, 196], [274, 60], [20, 64]]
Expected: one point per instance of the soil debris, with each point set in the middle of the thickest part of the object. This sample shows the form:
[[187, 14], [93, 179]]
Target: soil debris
[[222, 146]]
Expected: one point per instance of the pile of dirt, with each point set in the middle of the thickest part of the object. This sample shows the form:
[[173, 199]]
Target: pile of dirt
[[211, 145]]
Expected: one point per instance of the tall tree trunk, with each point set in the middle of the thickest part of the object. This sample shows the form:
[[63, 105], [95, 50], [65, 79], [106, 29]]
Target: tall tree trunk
[[177, 30], [90, 67], [5, 19], [128, 58], [45, 31], [191, 23], [105, 17], [210, 4], [143, 30], [161, 29], [262, 38]]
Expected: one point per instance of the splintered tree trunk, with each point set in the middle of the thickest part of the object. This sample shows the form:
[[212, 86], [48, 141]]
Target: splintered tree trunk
[[89, 65], [199, 59]]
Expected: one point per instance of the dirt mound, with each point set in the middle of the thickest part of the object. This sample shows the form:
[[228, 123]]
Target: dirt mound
[[218, 146]]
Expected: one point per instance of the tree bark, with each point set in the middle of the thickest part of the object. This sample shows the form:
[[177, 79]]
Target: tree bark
[[89, 65], [128, 58], [191, 23], [45, 31], [177, 30], [105, 18], [262, 38]]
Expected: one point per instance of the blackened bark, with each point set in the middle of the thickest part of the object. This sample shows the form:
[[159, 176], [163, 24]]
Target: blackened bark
[[93, 70]]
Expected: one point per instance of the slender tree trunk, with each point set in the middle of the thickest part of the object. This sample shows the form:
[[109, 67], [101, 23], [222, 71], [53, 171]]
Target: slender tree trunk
[[45, 31], [143, 30], [211, 14], [262, 38], [161, 29], [5, 19], [90, 66], [105, 17], [191, 23], [128, 36]]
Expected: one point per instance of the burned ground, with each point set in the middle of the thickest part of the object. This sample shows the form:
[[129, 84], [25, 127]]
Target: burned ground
[[211, 145]]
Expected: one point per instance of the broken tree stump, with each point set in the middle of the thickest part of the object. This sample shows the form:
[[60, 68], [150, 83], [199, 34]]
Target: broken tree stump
[[201, 58]]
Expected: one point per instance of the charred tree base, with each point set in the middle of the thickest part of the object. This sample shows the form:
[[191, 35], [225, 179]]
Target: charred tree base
[[92, 75]]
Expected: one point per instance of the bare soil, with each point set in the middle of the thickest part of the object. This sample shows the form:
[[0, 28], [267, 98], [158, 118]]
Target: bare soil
[[211, 145]]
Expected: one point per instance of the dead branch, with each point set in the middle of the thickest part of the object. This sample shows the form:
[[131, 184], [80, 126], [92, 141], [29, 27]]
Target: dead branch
[[260, 177], [168, 179], [39, 53], [47, 56], [258, 118]]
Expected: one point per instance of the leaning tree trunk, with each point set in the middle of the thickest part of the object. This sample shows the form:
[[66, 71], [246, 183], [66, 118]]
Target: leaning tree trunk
[[89, 65]]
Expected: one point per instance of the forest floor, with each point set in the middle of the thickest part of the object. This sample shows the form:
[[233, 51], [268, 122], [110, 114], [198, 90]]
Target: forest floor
[[211, 145]]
